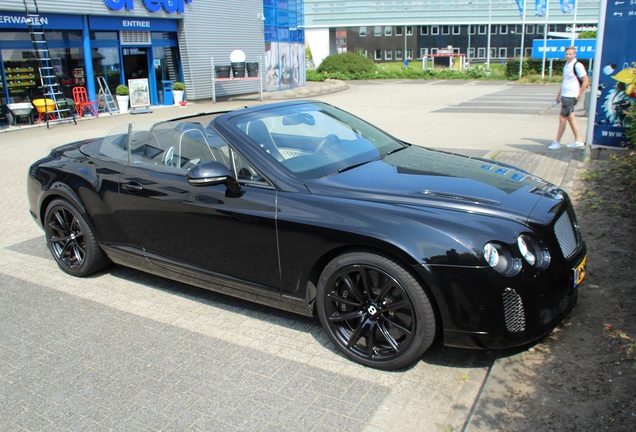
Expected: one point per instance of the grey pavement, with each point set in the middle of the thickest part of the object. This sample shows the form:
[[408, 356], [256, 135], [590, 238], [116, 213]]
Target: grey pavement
[[127, 351]]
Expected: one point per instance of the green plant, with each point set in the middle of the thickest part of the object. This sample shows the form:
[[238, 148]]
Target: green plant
[[122, 90], [630, 124], [178, 86], [346, 63]]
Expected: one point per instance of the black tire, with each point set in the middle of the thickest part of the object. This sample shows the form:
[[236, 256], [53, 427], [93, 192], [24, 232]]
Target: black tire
[[71, 241], [375, 311]]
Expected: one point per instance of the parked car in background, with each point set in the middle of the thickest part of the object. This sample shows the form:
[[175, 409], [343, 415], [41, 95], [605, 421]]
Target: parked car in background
[[307, 208]]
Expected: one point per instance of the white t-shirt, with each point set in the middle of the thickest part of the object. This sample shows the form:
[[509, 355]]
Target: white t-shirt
[[570, 85]]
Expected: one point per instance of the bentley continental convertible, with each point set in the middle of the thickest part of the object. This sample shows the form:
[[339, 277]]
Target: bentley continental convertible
[[305, 207]]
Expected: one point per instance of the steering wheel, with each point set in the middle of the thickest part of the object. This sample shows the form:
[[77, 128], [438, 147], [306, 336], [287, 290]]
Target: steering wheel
[[328, 141]]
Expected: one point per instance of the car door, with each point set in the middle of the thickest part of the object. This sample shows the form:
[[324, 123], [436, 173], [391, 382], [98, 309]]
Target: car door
[[199, 229]]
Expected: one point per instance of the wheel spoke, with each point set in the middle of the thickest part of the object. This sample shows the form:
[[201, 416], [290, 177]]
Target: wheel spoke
[[365, 280], [339, 299], [356, 335], [397, 325], [371, 343], [60, 217], [389, 338], [353, 287], [390, 307], [388, 285], [78, 253], [346, 317]]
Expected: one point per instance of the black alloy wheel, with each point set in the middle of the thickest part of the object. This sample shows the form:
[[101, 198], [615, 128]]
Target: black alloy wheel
[[71, 241], [375, 311]]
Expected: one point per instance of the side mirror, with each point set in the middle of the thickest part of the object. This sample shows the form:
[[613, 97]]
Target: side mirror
[[214, 173]]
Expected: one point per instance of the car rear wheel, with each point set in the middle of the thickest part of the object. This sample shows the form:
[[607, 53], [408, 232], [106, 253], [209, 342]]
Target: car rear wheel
[[375, 311], [71, 240]]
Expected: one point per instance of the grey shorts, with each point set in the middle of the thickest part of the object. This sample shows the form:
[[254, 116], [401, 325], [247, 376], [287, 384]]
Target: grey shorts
[[567, 105]]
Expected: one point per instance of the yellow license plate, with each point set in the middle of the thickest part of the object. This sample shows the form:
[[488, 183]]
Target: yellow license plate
[[579, 272]]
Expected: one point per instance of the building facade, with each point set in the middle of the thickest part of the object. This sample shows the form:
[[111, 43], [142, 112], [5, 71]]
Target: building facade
[[480, 30], [161, 40]]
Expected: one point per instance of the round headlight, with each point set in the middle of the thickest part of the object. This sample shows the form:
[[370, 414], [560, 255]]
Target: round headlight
[[501, 260], [532, 251]]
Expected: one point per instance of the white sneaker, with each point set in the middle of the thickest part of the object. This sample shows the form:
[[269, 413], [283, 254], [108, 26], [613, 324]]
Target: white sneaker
[[554, 146], [576, 144]]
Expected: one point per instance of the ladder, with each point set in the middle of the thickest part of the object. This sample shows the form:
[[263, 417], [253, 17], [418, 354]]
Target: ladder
[[105, 97], [49, 83]]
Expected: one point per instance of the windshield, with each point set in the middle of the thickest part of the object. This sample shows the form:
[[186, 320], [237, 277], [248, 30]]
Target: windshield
[[314, 139]]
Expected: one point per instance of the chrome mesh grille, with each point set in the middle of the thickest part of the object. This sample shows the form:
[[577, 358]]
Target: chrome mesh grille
[[514, 314], [564, 231]]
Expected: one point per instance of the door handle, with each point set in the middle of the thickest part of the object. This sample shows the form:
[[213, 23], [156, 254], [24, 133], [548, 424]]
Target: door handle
[[132, 187]]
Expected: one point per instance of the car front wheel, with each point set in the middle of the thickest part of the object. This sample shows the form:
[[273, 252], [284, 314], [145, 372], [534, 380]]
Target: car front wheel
[[375, 311], [71, 241]]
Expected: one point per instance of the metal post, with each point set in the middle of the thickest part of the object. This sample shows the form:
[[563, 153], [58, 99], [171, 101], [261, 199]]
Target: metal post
[[545, 37], [406, 62], [523, 34], [489, 31]]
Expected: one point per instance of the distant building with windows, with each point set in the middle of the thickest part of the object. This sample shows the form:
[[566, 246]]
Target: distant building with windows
[[481, 30]]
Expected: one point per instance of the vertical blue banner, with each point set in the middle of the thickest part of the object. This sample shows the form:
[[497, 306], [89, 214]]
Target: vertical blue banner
[[617, 78], [540, 7], [567, 6], [521, 4]]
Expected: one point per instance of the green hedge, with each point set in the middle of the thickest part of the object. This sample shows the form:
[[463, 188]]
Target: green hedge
[[348, 63], [379, 72], [533, 67]]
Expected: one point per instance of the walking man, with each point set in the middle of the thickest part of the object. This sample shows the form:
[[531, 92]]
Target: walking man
[[573, 86]]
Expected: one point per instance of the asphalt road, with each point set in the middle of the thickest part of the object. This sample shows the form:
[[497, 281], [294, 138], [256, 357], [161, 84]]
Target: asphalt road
[[124, 350]]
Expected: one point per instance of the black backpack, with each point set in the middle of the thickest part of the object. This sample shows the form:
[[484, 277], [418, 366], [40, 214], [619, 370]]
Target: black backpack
[[575, 74]]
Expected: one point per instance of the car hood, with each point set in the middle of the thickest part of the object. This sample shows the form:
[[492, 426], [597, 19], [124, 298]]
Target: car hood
[[418, 176]]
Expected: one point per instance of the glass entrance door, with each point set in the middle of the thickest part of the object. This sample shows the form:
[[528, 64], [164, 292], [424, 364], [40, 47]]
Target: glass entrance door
[[135, 63]]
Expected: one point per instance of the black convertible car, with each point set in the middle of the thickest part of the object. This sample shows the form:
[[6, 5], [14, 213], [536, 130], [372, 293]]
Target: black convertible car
[[305, 207]]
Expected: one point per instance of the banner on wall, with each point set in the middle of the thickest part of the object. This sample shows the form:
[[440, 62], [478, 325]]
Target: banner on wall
[[616, 75]]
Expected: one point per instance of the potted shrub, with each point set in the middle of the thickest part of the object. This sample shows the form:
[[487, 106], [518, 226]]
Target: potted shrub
[[123, 97], [177, 92]]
